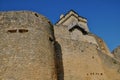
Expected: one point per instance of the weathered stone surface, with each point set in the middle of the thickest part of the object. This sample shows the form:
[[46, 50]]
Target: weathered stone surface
[[116, 53], [83, 55], [84, 61], [30, 51], [81, 61], [111, 66], [26, 47]]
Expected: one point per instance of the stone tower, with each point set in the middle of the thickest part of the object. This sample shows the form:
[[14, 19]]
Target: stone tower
[[74, 27], [72, 19], [26, 47]]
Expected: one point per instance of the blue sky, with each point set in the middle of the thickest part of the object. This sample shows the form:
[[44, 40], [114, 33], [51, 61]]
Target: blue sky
[[103, 15]]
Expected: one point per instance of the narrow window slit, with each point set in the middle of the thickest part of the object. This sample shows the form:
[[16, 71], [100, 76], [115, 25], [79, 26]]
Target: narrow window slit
[[23, 30], [12, 31]]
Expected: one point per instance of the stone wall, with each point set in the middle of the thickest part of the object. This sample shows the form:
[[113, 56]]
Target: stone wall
[[116, 53], [26, 47], [30, 51], [63, 32], [83, 57], [110, 65], [80, 60], [101, 45]]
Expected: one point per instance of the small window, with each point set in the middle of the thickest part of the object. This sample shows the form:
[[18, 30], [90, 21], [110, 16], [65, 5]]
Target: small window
[[23, 30], [12, 31]]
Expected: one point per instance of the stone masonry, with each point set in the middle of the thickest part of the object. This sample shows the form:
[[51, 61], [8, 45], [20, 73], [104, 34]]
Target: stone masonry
[[84, 55], [31, 48], [26, 47], [116, 53]]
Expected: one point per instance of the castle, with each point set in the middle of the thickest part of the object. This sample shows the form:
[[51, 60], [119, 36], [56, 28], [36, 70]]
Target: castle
[[31, 48]]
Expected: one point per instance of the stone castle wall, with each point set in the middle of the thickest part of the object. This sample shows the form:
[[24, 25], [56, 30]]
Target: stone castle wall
[[80, 61], [83, 55], [110, 65], [84, 60], [101, 45], [30, 49], [116, 53], [63, 32], [26, 47]]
